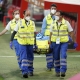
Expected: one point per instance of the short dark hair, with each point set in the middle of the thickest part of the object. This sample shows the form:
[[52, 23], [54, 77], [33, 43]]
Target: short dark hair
[[15, 10], [53, 5], [61, 12]]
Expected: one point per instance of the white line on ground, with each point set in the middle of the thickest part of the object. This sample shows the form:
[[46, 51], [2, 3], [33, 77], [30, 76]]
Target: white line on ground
[[40, 56], [7, 56]]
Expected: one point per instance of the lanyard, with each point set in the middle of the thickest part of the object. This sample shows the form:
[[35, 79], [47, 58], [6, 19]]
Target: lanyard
[[27, 23], [58, 27]]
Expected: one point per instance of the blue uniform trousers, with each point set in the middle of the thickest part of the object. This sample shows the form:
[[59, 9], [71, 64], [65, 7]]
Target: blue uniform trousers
[[60, 56], [16, 46], [26, 58], [49, 60]]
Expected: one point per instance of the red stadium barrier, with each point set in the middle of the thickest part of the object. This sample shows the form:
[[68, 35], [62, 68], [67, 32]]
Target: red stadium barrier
[[6, 19]]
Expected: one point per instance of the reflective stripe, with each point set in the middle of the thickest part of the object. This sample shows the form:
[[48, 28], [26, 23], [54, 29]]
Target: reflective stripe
[[48, 24], [60, 34], [30, 64], [56, 65], [63, 64], [25, 37], [26, 60], [24, 64], [49, 61], [26, 33], [63, 60], [59, 30], [27, 65], [30, 61], [48, 29], [49, 57], [57, 61]]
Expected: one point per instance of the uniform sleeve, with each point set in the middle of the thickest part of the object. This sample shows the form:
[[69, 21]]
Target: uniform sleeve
[[44, 24], [8, 26], [16, 27], [70, 29]]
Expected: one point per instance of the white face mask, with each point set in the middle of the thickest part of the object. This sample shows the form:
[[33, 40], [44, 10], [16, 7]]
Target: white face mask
[[53, 11], [17, 16], [27, 18], [56, 17]]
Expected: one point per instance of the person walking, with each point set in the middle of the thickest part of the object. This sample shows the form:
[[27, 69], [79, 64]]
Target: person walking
[[26, 39], [11, 25], [59, 40]]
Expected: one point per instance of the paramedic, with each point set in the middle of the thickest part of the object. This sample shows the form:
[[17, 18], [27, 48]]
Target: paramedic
[[47, 21], [26, 39], [11, 25], [59, 41]]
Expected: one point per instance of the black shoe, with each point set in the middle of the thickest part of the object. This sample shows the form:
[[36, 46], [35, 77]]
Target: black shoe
[[20, 69], [63, 74], [25, 75], [30, 74], [58, 74], [49, 69]]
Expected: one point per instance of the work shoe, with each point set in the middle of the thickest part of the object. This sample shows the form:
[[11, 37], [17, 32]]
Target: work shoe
[[63, 74], [20, 69], [58, 74], [25, 75], [49, 69], [30, 74]]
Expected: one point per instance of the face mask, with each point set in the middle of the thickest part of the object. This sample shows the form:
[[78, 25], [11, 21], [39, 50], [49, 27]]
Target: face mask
[[17, 16], [56, 17], [53, 11], [27, 18]]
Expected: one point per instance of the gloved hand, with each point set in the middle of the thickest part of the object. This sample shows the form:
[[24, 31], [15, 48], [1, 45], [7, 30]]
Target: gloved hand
[[11, 45], [39, 36], [50, 48], [70, 40], [35, 47], [75, 45]]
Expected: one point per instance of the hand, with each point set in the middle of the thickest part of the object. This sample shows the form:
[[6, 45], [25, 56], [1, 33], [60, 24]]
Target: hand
[[39, 36], [35, 47], [75, 45], [11, 45], [50, 48], [70, 40]]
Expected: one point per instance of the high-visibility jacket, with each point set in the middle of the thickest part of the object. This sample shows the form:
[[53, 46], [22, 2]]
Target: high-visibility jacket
[[13, 25], [26, 33], [60, 32], [49, 21]]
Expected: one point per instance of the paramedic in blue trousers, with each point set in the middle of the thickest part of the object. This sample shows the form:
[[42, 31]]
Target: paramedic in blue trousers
[[59, 41], [45, 31], [26, 39], [11, 25]]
